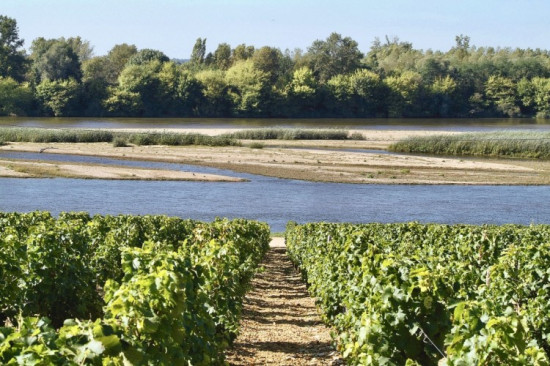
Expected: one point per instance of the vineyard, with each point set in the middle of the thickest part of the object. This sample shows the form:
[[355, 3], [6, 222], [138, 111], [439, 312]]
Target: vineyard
[[114, 290], [417, 294], [137, 290]]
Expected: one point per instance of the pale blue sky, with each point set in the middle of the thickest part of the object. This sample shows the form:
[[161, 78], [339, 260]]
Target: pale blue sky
[[172, 26]]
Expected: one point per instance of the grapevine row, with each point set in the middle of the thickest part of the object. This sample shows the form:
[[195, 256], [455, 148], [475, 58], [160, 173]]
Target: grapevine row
[[430, 294], [113, 290]]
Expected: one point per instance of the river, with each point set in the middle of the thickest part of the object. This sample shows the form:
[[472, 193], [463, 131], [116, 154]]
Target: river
[[273, 200]]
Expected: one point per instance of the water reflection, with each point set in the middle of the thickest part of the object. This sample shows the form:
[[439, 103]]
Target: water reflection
[[473, 124]]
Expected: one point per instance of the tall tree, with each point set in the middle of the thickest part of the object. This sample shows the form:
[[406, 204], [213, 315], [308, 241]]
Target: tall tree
[[502, 92], [12, 58], [242, 52], [95, 83], [356, 95], [215, 101], [403, 93], [123, 103], [199, 52], [542, 96], [462, 46], [81, 47], [118, 57], [268, 60], [222, 56], [336, 55], [15, 98], [393, 57], [535, 95], [143, 80], [59, 98], [441, 91], [248, 87], [302, 93], [147, 55], [181, 91], [57, 61], [432, 68]]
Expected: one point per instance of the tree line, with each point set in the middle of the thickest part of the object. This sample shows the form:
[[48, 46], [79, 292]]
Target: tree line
[[332, 78]]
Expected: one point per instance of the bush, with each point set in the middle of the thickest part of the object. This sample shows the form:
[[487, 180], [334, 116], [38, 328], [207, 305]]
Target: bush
[[120, 141]]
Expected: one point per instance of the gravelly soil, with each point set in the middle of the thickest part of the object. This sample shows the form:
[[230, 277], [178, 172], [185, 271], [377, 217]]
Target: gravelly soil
[[280, 324]]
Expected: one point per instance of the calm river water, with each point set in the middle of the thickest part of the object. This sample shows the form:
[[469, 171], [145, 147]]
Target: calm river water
[[273, 200]]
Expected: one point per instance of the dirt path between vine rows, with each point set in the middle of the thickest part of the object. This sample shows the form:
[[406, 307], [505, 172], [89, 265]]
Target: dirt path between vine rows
[[280, 324]]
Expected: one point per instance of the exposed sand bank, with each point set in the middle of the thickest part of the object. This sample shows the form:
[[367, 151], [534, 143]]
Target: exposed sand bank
[[34, 169], [306, 160]]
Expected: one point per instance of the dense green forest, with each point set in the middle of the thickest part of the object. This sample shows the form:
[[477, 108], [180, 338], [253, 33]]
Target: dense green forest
[[333, 78]]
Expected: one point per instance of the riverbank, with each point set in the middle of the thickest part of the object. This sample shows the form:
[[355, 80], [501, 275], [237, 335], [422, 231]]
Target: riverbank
[[343, 161]]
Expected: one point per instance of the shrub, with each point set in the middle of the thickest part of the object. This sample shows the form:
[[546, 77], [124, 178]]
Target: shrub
[[120, 141]]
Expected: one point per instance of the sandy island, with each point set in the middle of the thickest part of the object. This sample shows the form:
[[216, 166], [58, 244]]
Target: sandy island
[[319, 160], [50, 169]]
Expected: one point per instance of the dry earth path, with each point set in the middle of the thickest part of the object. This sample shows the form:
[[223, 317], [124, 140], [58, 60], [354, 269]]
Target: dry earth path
[[280, 324]]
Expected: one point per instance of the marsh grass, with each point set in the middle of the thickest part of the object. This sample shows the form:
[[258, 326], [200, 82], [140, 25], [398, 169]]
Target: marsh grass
[[293, 134], [507, 144], [54, 135], [119, 138], [180, 139]]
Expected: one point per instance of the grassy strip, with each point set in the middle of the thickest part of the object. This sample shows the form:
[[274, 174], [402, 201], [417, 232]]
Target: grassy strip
[[54, 135], [514, 144], [177, 139], [294, 134], [117, 138]]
